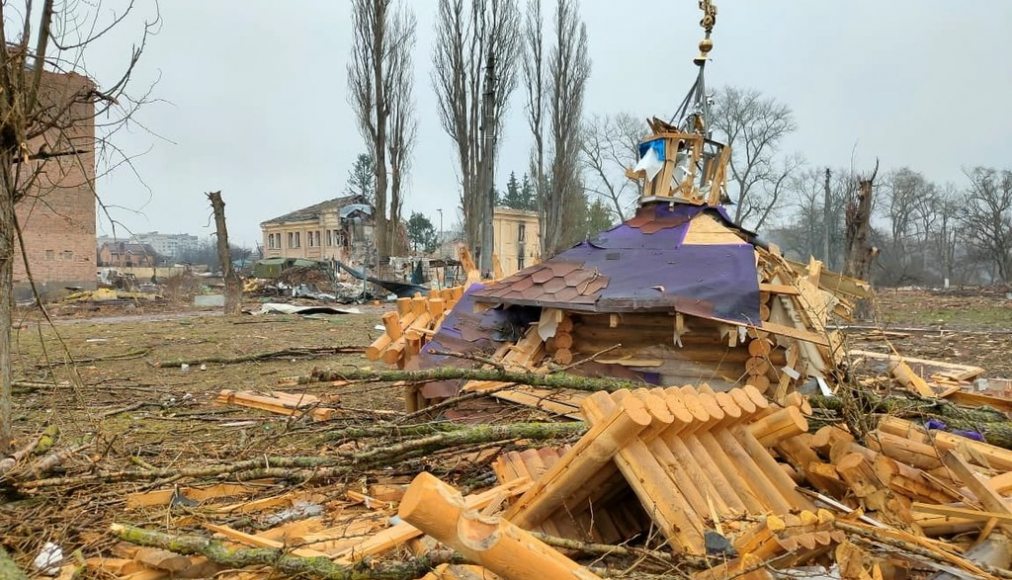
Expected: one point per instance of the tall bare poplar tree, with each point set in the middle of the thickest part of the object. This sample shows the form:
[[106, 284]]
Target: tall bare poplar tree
[[403, 122], [568, 70], [476, 42], [48, 107], [380, 90], [533, 74]]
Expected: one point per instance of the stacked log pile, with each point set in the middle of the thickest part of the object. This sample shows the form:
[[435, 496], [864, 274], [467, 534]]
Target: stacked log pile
[[406, 330]]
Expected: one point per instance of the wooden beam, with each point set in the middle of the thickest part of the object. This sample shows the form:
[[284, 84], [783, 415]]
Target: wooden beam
[[258, 542], [960, 512], [989, 498], [495, 543], [399, 534], [779, 289], [588, 456], [651, 483], [984, 453]]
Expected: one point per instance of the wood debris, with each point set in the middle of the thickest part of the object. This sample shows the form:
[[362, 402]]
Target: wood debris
[[292, 404]]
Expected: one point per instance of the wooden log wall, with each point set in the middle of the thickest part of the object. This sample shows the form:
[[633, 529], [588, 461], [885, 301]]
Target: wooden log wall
[[679, 349]]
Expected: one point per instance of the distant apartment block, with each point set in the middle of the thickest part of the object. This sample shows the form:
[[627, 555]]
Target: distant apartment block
[[173, 246], [339, 228], [57, 217]]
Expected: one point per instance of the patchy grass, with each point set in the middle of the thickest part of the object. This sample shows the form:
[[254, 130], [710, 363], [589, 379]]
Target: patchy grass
[[964, 310]]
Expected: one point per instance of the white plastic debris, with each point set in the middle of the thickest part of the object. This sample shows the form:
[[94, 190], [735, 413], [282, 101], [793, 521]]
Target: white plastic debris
[[650, 163], [48, 560], [203, 367], [184, 367]]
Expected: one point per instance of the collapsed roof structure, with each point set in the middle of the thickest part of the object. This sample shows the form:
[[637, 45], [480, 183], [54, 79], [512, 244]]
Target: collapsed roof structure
[[678, 293]]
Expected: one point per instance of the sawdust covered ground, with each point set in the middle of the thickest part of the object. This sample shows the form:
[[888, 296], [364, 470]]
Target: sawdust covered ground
[[971, 326]]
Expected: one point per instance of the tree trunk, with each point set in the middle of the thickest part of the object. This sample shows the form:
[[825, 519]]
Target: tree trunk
[[383, 235], [394, 246], [487, 170], [7, 254], [859, 253], [280, 559], [233, 285], [826, 229]]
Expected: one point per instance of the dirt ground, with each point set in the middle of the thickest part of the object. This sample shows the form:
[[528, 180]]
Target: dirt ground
[[165, 416], [134, 409], [968, 327]]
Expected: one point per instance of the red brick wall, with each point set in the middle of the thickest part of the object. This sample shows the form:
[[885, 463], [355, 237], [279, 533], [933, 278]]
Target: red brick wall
[[57, 217]]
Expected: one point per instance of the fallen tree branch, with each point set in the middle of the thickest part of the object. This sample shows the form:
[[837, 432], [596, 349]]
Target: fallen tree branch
[[41, 444], [552, 380], [992, 424], [471, 436], [283, 353], [319, 567], [137, 353], [947, 558], [326, 468], [441, 406]]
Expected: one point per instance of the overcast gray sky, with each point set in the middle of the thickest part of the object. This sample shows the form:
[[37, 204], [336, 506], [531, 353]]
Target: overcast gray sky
[[254, 95]]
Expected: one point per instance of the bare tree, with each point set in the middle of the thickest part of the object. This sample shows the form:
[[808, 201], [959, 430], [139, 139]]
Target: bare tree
[[48, 111], [946, 236], [474, 56], [403, 124], [233, 285], [568, 70], [754, 126], [533, 73], [906, 193], [379, 89], [927, 208], [609, 145], [987, 218], [858, 252], [807, 234]]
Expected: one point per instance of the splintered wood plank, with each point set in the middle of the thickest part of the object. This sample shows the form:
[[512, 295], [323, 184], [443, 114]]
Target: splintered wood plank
[[960, 512], [979, 399], [164, 496], [784, 330], [989, 498], [258, 504], [906, 376], [959, 372], [779, 289], [258, 541], [276, 405], [561, 402]]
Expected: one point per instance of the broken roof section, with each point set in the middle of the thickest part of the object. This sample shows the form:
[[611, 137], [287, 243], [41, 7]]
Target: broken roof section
[[344, 205], [687, 258]]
